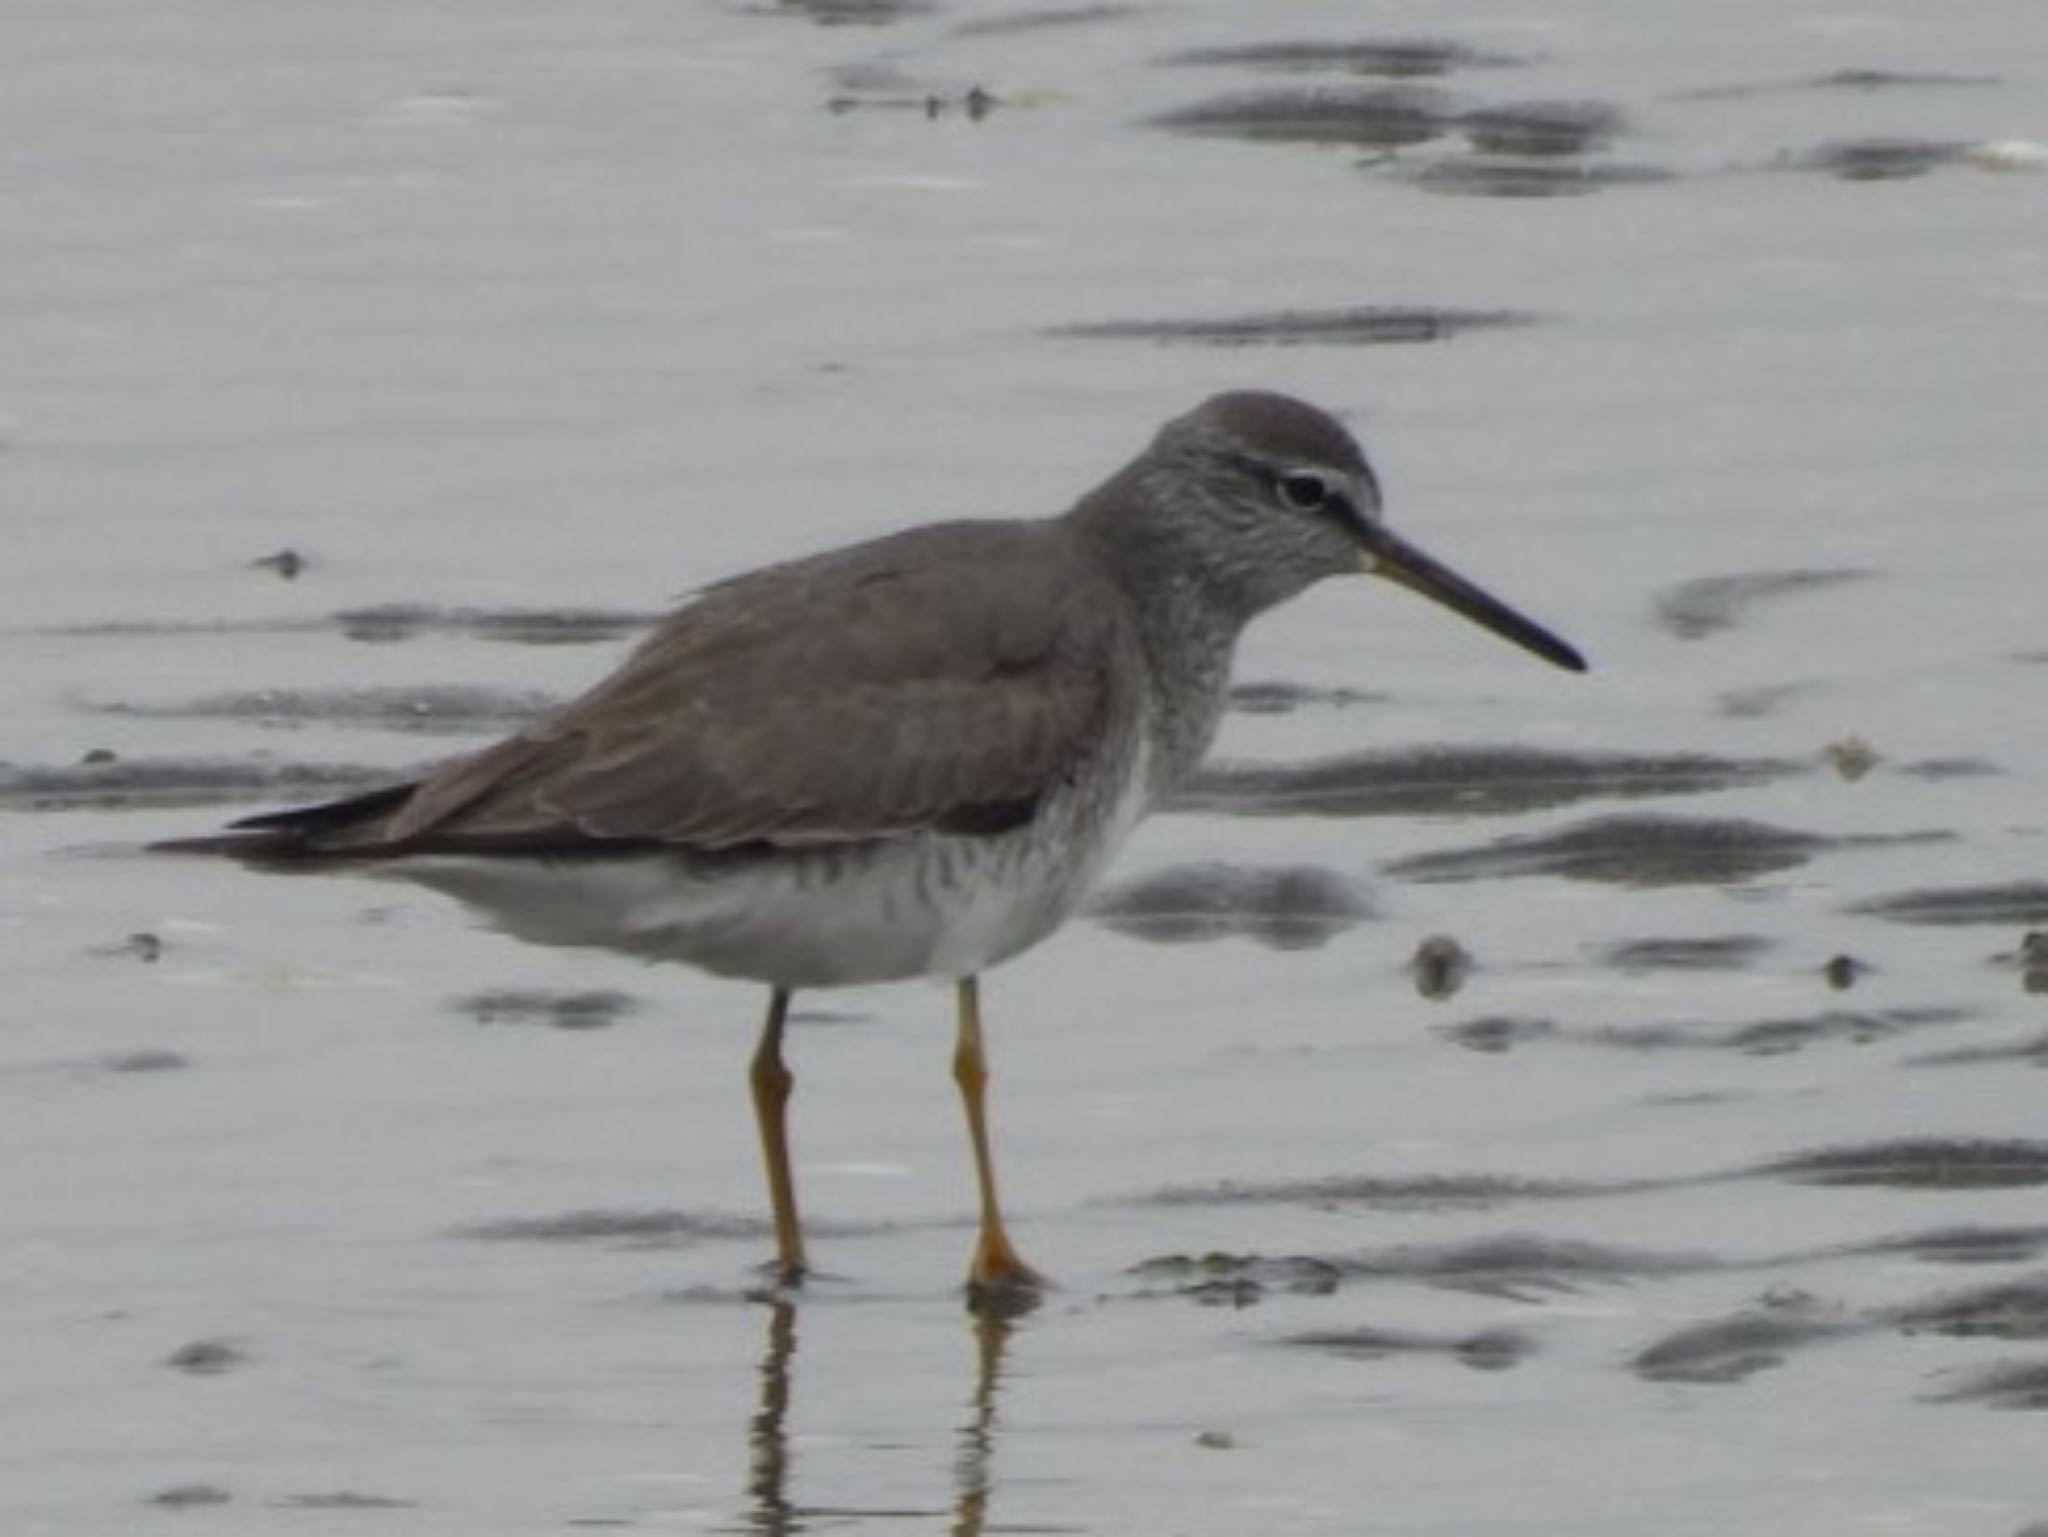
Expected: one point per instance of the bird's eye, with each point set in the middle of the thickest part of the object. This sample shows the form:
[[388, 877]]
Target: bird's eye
[[1304, 490]]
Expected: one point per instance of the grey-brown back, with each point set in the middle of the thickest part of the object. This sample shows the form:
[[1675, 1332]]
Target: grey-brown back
[[945, 678]]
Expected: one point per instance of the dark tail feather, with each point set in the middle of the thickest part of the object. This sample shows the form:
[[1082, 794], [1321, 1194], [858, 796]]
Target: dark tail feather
[[332, 831]]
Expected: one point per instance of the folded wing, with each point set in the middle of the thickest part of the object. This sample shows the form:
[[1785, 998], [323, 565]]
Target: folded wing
[[864, 694]]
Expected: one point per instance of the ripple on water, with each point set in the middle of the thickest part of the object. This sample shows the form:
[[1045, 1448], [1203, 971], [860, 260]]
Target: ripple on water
[[1646, 850], [111, 783], [585, 1009], [1364, 117], [2010, 902], [1393, 58], [1708, 605], [1357, 326], [426, 710], [1767, 1333], [1479, 780], [1288, 907]]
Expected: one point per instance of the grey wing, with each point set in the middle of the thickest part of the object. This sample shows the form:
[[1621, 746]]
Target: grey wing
[[857, 707]]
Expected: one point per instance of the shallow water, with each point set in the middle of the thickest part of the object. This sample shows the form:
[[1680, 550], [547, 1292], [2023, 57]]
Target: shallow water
[[1490, 1101]]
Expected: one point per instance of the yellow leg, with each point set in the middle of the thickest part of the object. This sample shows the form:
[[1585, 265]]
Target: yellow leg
[[997, 1273], [771, 1083]]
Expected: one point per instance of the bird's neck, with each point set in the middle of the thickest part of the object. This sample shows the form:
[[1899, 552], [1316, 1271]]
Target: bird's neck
[[1188, 622], [1190, 659]]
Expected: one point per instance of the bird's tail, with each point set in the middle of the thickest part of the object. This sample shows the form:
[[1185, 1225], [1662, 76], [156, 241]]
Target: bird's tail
[[328, 833]]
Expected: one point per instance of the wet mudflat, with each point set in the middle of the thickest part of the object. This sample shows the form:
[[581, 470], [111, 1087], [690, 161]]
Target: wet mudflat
[[1488, 1101]]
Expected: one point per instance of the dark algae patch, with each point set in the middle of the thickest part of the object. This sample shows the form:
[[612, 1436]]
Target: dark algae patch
[[2014, 902], [519, 626], [851, 13], [1646, 850], [1779, 1036], [1499, 177], [1497, 1033], [1388, 58], [1922, 1163], [1487, 1350], [1362, 326], [190, 1497], [2006, 1310], [118, 784], [1736, 1348], [2026, 1051], [1708, 605], [1776, 1036], [1540, 128], [2000, 1385], [1520, 1267], [400, 621], [1964, 1245], [1717, 952], [1863, 81], [1880, 159], [1463, 781], [1047, 19], [1766, 1334], [1358, 117], [208, 1358]]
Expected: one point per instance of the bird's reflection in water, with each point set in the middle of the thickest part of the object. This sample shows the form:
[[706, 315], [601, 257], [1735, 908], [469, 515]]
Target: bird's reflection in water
[[770, 1509], [975, 1453]]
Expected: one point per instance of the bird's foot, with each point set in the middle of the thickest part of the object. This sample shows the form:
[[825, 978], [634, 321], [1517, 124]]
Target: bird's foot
[[1000, 1284], [779, 1281]]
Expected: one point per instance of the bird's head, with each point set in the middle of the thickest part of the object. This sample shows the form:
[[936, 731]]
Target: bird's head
[[1251, 498]]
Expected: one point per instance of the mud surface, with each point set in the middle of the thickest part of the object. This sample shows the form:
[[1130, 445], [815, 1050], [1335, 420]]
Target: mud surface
[[1486, 1102]]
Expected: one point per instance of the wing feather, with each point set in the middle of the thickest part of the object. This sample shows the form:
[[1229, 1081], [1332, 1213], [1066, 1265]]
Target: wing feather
[[858, 695]]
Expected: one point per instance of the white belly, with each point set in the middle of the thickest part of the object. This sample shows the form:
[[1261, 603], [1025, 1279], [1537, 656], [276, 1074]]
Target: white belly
[[926, 905]]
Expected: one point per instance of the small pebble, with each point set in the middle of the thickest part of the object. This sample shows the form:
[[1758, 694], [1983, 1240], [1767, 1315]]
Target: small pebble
[[206, 1358], [1842, 971], [1851, 758], [286, 563], [1440, 966]]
